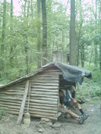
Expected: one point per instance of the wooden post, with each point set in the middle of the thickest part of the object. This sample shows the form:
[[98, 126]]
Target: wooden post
[[23, 103]]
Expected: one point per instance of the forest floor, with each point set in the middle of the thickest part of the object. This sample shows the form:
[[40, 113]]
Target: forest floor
[[63, 126]]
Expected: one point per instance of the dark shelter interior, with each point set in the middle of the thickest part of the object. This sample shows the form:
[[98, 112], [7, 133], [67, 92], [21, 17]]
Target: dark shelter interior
[[64, 84]]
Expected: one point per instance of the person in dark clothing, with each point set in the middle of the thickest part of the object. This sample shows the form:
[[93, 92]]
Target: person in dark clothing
[[73, 102], [68, 101], [80, 119]]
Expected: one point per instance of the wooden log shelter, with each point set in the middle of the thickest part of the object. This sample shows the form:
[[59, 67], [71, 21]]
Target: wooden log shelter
[[44, 86]]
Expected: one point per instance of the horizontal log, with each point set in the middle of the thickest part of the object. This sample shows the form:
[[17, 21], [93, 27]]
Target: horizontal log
[[53, 117], [52, 73], [44, 90], [31, 104], [17, 106], [52, 70], [48, 77], [37, 92], [45, 84], [55, 71], [7, 107], [45, 93], [38, 99], [44, 96], [45, 99], [12, 90], [43, 104], [31, 100], [10, 100], [7, 93], [49, 87], [10, 103], [44, 107], [42, 80], [14, 87], [46, 102]]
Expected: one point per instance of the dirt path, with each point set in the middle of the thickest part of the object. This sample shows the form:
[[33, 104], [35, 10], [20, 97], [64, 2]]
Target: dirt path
[[66, 126]]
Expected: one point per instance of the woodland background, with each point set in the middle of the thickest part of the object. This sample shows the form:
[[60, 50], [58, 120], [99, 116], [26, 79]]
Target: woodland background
[[28, 40]]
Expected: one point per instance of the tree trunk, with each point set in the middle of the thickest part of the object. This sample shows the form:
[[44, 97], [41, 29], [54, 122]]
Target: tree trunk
[[11, 33], [32, 7], [3, 36], [62, 53], [79, 35], [82, 55], [44, 41], [25, 8], [96, 55], [95, 45], [78, 46], [100, 34], [25, 36], [72, 35], [38, 36]]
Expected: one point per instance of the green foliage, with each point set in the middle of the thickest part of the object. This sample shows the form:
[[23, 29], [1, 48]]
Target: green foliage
[[21, 37], [91, 88]]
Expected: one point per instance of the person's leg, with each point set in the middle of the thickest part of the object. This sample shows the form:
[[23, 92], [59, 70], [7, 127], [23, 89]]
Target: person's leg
[[73, 115], [75, 103], [80, 119]]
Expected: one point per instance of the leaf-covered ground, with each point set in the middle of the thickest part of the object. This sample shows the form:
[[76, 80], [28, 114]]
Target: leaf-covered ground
[[64, 126]]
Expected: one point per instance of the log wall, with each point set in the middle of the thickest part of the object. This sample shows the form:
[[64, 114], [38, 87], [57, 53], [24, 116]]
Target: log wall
[[43, 98]]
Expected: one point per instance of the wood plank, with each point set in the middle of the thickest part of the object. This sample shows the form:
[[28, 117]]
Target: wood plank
[[44, 90], [3, 103], [36, 109], [54, 117], [52, 73], [45, 99], [43, 113], [36, 101], [31, 104], [43, 96], [45, 84], [42, 80], [49, 87], [44, 107], [38, 90], [52, 70], [17, 106], [47, 71], [8, 93], [10, 98], [45, 93], [50, 116], [49, 77], [23, 103], [42, 102]]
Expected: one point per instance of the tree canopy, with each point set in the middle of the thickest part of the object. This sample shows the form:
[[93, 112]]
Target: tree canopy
[[30, 38]]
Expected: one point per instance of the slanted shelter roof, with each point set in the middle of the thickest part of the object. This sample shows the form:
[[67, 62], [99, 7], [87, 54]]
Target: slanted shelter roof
[[70, 73]]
